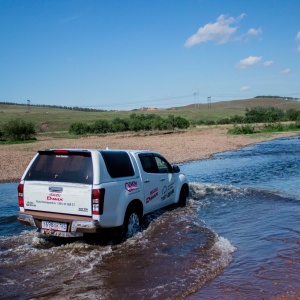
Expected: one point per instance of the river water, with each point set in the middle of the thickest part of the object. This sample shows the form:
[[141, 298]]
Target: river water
[[238, 238]]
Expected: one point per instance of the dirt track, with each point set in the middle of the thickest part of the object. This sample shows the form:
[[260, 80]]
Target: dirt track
[[177, 147]]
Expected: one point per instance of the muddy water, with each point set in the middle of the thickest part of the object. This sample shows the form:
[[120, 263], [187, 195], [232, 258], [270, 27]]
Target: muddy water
[[174, 256], [238, 238]]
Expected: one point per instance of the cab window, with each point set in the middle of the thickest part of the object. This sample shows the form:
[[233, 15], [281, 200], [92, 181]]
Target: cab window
[[153, 163], [162, 165]]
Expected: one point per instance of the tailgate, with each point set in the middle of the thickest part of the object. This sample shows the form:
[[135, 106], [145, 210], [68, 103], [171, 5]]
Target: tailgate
[[58, 197]]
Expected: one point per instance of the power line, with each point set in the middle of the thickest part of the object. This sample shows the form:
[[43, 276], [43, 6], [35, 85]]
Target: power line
[[142, 102]]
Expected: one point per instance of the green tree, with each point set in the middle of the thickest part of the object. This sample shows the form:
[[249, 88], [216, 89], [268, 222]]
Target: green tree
[[100, 126], [79, 128], [18, 130], [263, 114], [181, 123], [292, 114], [119, 125], [236, 119]]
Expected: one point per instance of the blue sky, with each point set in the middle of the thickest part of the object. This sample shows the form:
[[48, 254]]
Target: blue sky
[[125, 54]]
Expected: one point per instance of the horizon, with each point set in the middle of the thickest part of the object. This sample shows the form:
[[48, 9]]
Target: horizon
[[143, 108]]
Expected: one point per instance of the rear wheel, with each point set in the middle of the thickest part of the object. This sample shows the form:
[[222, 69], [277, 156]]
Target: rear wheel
[[132, 222]]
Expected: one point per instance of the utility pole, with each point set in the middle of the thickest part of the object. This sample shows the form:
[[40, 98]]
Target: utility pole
[[196, 99], [209, 102], [28, 106]]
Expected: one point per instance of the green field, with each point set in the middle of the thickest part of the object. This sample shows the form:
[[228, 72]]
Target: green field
[[49, 119]]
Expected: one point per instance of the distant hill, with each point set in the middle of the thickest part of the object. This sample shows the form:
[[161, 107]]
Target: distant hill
[[282, 103], [240, 105]]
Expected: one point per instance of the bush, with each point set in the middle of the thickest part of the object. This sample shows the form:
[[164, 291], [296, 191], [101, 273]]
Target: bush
[[294, 126], [209, 122], [18, 130], [224, 121], [244, 129], [181, 123], [119, 125], [237, 119], [278, 127], [264, 114], [199, 122], [100, 126], [292, 115], [136, 122], [79, 128], [273, 127]]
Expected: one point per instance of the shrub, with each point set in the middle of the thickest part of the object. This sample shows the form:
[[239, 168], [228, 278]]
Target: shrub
[[181, 123], [100, 126], [79, 128], [134, 123], [209, 122], [237, 119], [273, 127], [18, 130], [200, 122], [264, 114], [119, 125], [243, 129], [294, 126], [292, 115], [223, 121]]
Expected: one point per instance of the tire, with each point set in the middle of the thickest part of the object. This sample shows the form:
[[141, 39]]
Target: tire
[[182, 198], [132, 222]]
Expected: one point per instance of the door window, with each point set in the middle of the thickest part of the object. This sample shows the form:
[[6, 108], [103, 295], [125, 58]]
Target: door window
[[153, 163]]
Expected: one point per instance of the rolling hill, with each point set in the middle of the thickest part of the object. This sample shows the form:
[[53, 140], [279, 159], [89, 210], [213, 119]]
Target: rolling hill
[[58, 119]]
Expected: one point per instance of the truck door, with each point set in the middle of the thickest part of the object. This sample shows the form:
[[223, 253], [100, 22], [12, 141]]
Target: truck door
[[158, 181]]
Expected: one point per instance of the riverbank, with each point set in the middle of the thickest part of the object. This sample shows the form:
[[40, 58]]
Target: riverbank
[[177, 147]]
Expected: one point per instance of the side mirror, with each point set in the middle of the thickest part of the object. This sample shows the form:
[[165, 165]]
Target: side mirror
[[176, 169]]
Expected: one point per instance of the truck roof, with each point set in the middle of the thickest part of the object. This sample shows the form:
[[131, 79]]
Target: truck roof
[[61, 150]]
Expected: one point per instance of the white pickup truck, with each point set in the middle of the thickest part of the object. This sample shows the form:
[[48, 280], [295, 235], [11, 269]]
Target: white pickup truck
[[70, 192]]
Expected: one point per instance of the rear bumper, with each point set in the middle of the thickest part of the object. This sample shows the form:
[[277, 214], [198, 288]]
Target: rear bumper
[[75, 227]]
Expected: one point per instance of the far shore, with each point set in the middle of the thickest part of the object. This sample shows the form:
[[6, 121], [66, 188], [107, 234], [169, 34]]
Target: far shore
[[177, 147]]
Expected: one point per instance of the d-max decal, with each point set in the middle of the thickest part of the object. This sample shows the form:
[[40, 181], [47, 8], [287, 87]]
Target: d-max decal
[[153, 194]]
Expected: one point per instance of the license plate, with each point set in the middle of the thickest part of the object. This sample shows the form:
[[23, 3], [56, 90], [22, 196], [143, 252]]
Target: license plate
[[54, 225]]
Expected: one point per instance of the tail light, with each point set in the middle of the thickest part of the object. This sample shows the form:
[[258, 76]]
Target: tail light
[[21, 194], [61, 151], [98, 201]]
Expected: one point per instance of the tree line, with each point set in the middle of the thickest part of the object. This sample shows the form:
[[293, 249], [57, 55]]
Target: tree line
[[19, 130], [258, 115], [135, 123], [271, 117], [76, 108]]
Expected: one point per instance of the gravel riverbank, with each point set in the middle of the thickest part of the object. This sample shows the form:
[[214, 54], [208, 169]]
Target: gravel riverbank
[[177, 147]]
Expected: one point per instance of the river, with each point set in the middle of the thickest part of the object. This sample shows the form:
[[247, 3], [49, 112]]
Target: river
[[238, 238]]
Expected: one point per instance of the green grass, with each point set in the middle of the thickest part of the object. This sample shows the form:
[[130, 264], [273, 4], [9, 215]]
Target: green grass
[[50, 119], [56, 121]]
